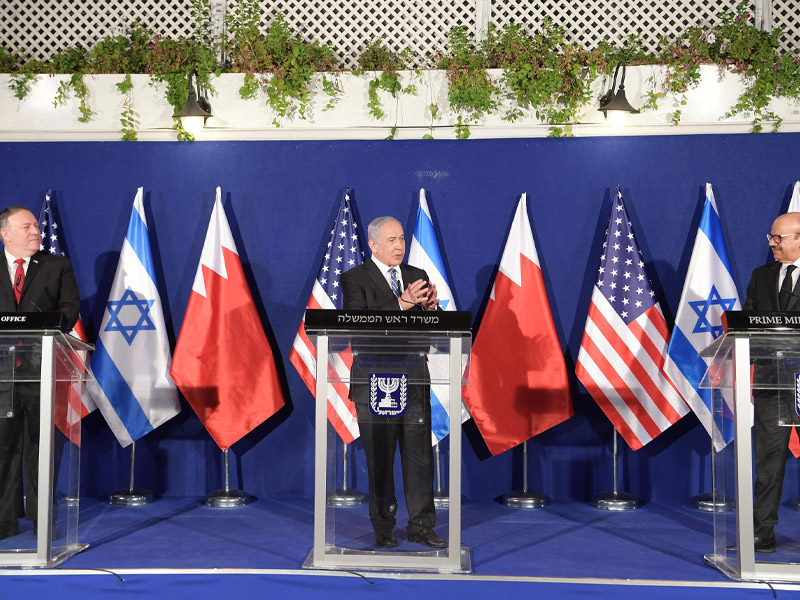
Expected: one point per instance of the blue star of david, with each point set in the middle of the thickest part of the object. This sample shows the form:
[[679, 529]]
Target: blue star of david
[[144, 323], [701, 307], [443, 304]]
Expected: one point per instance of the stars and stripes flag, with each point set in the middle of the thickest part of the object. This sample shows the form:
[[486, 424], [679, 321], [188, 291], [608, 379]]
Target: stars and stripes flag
[[344, 251], [132, 386], [424, 254], [708, 291], [79, 402], [223, 363], [620, 362]]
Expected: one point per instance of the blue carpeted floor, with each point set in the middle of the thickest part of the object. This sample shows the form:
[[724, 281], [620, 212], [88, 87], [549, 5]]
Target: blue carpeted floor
[[576, 542]]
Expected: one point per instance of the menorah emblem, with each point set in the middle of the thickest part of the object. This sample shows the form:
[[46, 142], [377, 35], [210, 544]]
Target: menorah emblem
[[388, 385]]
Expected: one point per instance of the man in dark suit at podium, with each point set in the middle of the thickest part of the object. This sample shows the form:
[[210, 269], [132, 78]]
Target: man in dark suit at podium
[[772, 288], [33, 281], [386, 283]]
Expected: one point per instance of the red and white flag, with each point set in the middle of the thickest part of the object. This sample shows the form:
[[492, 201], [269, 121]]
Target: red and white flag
[[343, 252], [621, 359], [518, 380], [223, 363]]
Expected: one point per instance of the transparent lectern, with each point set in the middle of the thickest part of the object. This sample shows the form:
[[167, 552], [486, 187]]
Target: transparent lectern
[[389, 359], [42, 371], [757, 357]]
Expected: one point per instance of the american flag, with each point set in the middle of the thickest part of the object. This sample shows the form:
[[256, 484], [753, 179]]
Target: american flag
[[625, 340], [79, 402], [343, 252]]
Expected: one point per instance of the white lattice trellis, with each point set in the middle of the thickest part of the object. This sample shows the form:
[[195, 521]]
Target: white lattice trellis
[[38, 29], [418, 25], [587, 22], [785, 14]]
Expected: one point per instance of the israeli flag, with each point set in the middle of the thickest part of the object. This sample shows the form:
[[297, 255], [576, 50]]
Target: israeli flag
[[424, 254], [708, 291], [131, 360]]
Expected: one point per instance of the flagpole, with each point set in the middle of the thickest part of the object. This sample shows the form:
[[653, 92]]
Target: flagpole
[[345, 496], [615, 500], [524, 498], [226, 497], [131, 496], [441, 496]]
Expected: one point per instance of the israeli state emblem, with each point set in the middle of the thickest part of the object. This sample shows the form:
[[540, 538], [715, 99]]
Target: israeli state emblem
[[797, 394], [388, 394]]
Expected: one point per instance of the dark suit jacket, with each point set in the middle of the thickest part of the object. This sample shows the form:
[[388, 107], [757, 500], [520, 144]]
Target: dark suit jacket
[[762, 291], [365, 288], [49, 286]]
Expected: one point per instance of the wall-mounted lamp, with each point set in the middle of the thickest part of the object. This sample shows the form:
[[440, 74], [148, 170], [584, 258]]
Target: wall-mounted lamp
[[615, 100], [194, 113]]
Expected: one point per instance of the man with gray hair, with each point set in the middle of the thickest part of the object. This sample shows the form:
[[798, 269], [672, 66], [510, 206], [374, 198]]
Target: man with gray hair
[[387, 283], [33, 281]]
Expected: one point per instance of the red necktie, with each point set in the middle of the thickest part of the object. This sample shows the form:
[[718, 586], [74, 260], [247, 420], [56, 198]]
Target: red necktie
[[19, 279]]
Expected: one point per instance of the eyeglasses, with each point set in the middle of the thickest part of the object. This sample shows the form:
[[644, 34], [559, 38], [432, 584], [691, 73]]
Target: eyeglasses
[[778, 238]]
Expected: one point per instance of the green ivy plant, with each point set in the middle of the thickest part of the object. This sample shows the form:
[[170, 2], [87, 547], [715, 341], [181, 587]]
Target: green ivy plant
[[544, 73], [541, 71], [386, 65], [281, 63], [472, 94], [127, 118]]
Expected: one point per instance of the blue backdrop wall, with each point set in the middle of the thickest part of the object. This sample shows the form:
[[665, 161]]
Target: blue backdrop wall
[[280, 198]]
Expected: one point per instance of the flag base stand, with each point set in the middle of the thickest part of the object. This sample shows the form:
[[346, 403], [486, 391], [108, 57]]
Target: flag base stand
[[615, 501], [346, 497], [441, 498], [130, 496], [525, 499], [227, 498], [707, 503]]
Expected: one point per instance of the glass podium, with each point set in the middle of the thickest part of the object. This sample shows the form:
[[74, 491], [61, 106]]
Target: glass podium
[[387, 362], [42, 372], [756, 360]]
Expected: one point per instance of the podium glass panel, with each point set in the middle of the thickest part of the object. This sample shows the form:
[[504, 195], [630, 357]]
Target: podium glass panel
[[746, 369], [387, 376], [41, 382]]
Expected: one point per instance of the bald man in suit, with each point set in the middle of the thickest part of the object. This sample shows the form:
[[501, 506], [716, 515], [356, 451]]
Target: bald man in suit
[[772, 287], [33, 281]]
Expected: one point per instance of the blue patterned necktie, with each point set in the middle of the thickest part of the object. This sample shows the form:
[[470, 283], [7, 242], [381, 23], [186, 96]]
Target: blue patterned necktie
[[395, 283]]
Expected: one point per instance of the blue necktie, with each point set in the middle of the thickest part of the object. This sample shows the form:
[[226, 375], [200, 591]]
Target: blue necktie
[[395, 283]]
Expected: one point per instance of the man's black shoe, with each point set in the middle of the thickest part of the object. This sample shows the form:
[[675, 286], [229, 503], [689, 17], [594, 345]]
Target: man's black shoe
[[759, 545], [764, 545], [428, 537], [386, 539], [8, 529]]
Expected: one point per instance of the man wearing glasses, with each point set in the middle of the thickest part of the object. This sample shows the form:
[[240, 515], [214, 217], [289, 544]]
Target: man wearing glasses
[[773, 287]]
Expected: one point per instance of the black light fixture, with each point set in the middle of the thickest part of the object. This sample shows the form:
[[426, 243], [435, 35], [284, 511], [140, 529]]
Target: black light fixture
[[194, 113], [615, 100]]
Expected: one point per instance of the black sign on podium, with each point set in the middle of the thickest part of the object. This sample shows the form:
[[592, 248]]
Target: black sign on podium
[[388, 362]]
